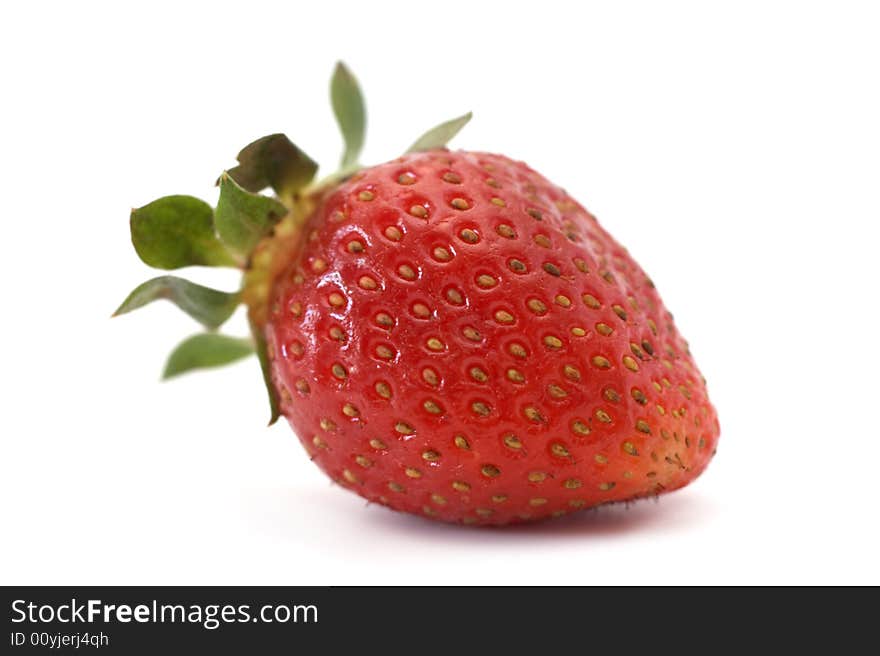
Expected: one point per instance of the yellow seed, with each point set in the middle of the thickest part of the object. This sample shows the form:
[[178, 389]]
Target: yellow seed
[[552, 269], [439, 500], [483, 512], [535, 214], [499, 202], [562, 300], [430, 377], [336, 300], [367, 283], [572, 483], [591, 301], [537, 501], [517, 266], [406, 178], [319, 442], [643, 427], [630, 448], [349, 410], [553, 342], [606, 486], [296, 309], [460, 486], [517, 350], [536, 306], [339, 371], [441, 254], [461, 442], [611, 394], [619, 311], [412, 472], [366, 195], [506, 231], [471, 333], [403, 428], [378, 444], [577, 503], [434, 344], [499, 498], [604, 329], [543, 241], [556, 391], [602, 460], [533, 414], [503, 316], [454, 296], [469, 236], [460, 204], [430, 456], [384, 352], [601, 362], [363, 461], [636, 351], [603, 416], [515, 375], [572, 373], [327, 424], [580, 428], [479, 375], [396, 487], [486, 281], [406, 272], [337, 216], [337, 333], [630, 363], [537, 477], [581, 265], [452, 178], [418, 211], [351, 478], [385, 320], [421, 310], [480, 408], [355, 246], [319, 265], [559, 450], [492, 182], [393, 233], [302, 386], [652, 326], [512, 441], [490, 471]]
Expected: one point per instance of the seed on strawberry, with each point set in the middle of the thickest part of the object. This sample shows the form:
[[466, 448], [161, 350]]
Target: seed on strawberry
[[449, 334]]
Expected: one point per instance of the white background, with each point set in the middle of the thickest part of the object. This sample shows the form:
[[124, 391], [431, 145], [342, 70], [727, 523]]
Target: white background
[[733, 147]]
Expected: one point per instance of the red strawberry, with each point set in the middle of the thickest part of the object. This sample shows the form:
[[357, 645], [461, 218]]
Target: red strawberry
[[450, 334]]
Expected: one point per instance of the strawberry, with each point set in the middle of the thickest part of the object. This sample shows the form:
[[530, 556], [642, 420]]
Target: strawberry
[[449, 334]]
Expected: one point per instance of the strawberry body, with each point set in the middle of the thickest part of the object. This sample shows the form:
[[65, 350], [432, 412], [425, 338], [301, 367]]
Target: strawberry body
[[452, 335]]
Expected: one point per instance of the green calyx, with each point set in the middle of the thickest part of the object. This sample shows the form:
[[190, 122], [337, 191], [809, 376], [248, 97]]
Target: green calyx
[[249, 230]]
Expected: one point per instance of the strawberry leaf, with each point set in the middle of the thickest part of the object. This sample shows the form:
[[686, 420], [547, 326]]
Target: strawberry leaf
[[440, 135], [273, 161], [206, 350], [177, 231], [348, 107], [207, 306], [263, 357], [243, 218]]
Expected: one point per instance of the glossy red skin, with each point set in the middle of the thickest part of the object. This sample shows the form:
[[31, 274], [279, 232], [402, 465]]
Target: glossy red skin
[[556, 469]]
